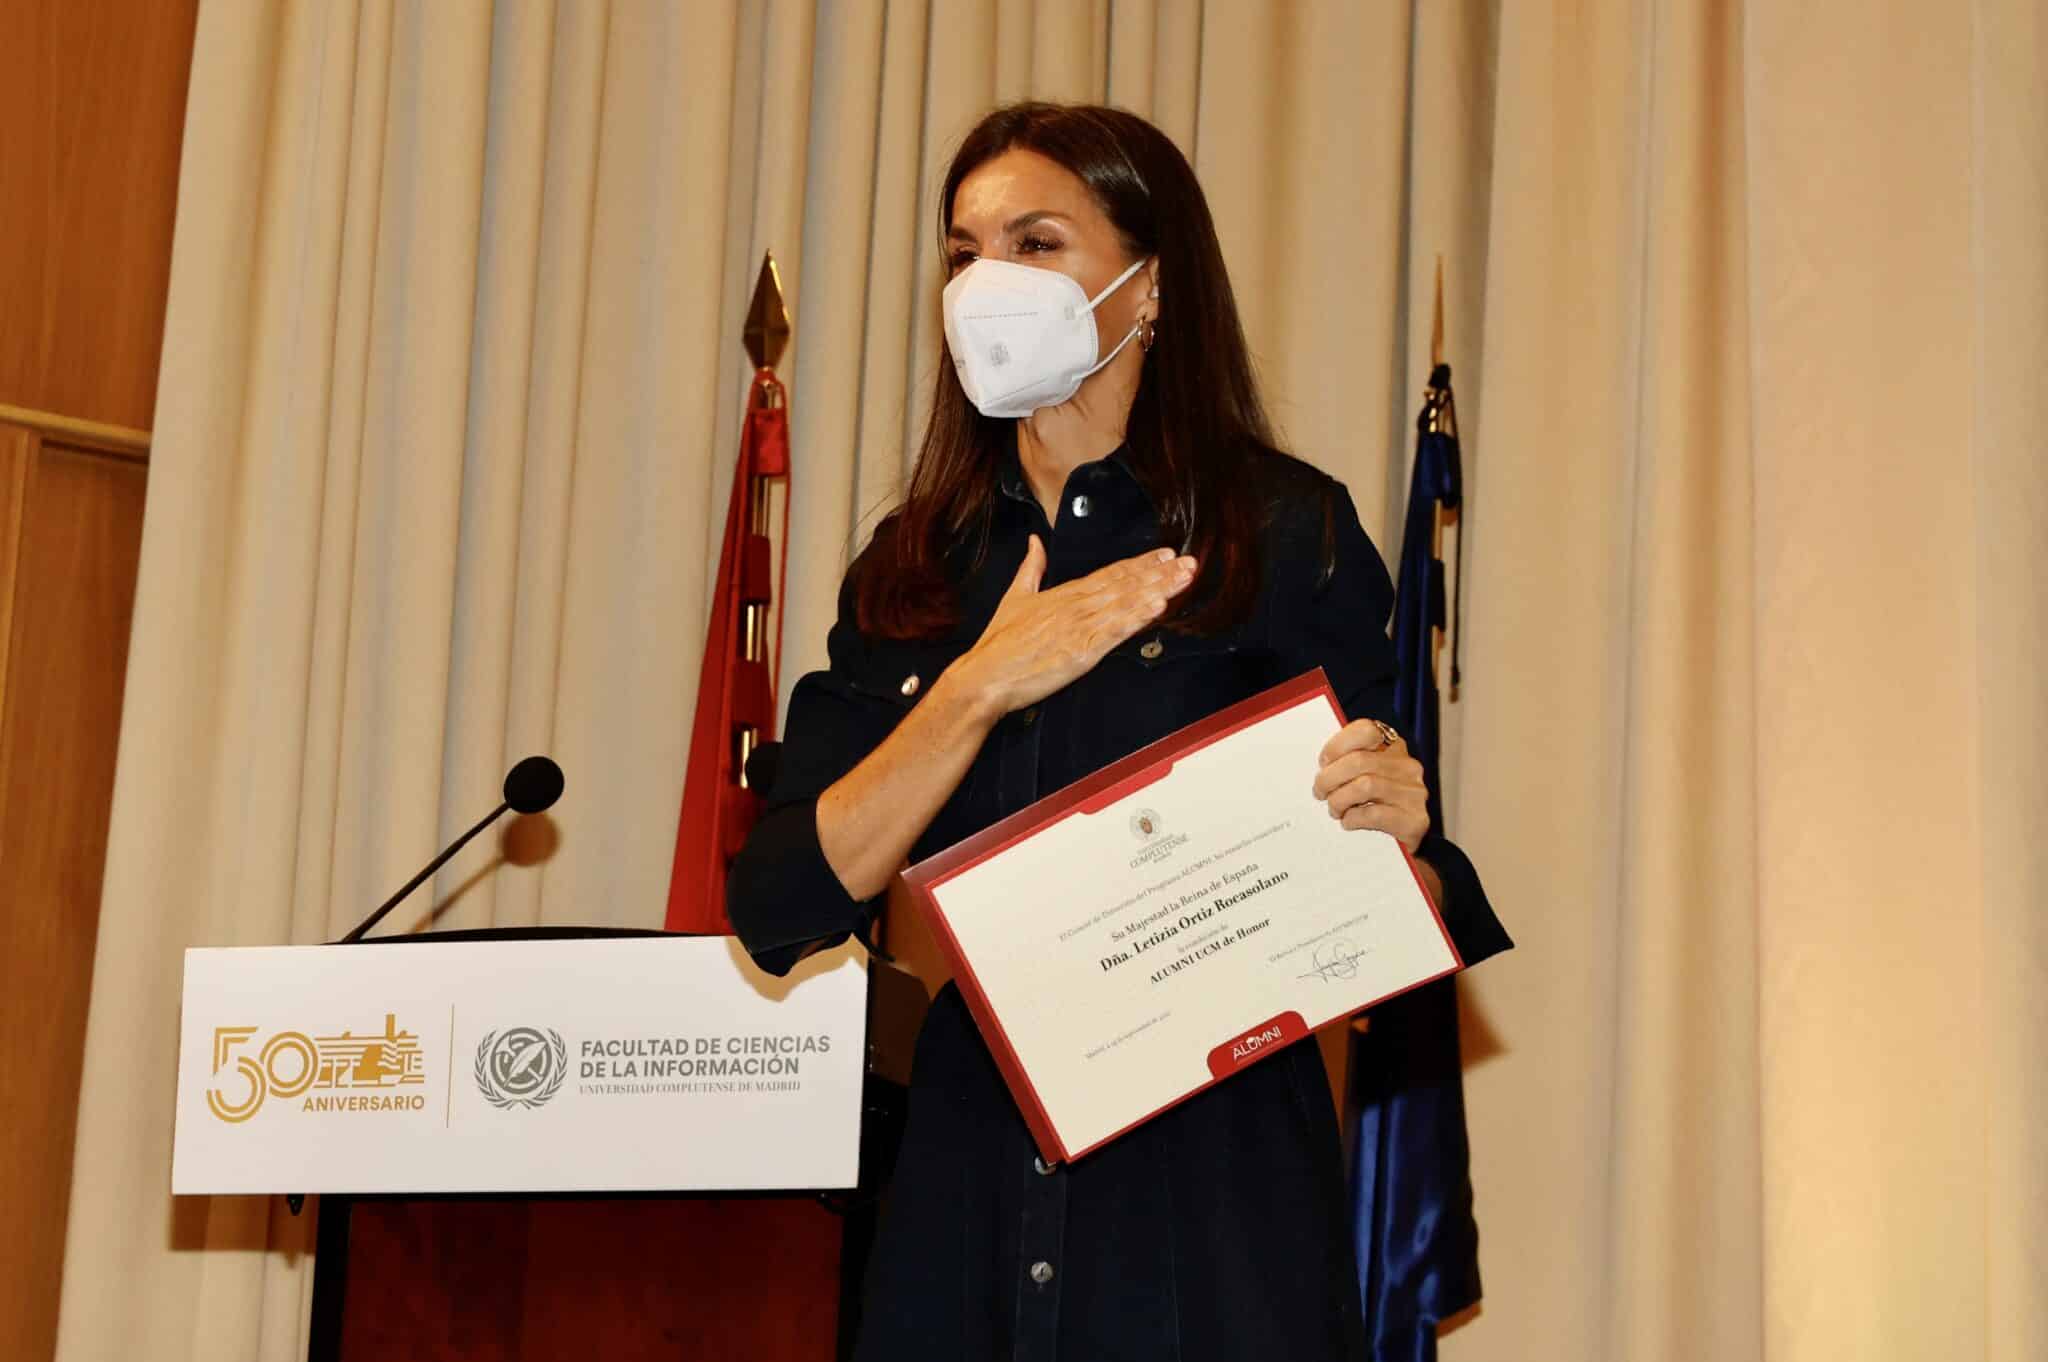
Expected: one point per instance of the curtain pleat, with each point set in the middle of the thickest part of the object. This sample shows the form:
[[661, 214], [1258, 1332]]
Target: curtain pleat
[[2008, 619]]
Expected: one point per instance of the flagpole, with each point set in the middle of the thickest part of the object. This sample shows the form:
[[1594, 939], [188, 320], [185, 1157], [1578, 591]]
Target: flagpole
[[1411, 1184], [766, 335], [1440, 417], [735, 711]]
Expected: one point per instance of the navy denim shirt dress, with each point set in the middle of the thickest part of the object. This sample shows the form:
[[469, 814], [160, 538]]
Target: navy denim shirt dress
[[1220, 1229]]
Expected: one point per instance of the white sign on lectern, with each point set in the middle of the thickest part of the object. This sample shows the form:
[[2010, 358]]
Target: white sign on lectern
[[623, 1064]]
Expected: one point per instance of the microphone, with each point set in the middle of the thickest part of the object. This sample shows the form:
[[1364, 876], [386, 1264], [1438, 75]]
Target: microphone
[[530, 786]]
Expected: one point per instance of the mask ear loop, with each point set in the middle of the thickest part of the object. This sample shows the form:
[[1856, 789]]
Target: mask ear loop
[[1104, 361], [1114, 285]]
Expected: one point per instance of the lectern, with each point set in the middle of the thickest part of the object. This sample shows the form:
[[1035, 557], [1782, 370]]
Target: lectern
[[555, 1142]]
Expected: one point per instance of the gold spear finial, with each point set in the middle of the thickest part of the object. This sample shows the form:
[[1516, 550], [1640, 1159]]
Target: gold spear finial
[[1436, 331], [1438, 415], [767, 329]]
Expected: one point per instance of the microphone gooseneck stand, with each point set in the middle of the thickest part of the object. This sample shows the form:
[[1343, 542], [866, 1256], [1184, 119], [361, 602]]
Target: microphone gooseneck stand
[[532, 785]]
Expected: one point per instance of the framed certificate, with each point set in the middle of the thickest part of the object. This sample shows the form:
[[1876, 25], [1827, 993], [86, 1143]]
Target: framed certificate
[[1176, 916]]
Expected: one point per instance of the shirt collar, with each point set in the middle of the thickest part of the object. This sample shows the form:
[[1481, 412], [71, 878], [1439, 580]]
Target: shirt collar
[[1116, 466]]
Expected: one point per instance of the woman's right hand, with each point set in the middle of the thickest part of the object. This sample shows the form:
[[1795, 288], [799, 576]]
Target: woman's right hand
[[1039, 641]]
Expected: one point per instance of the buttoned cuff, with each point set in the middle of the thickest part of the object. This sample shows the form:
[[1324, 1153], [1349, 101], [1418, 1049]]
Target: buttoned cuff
[[1468, 917], [784, 898]]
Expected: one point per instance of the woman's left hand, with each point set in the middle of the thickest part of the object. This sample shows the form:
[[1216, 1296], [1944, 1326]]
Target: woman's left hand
[[1369, 781]]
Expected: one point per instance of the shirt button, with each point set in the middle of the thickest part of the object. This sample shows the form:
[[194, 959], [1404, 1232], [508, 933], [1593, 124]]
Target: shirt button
[[1029, 716], [1152, 649], [910, 684], [1041, 1272], [1082, 507], [1041, 1167]]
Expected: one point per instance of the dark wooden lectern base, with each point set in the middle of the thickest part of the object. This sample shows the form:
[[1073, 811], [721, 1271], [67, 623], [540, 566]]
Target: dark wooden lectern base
[[489, 1279], [768, 1277]]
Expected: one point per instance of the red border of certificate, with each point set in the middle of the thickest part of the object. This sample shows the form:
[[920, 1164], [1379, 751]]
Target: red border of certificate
[[1089, 795]]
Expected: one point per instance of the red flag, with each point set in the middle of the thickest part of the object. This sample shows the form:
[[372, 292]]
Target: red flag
[[736, 688]]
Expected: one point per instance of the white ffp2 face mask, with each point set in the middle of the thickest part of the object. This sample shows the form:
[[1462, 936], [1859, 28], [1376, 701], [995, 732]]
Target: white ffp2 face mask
[[1023, 337]]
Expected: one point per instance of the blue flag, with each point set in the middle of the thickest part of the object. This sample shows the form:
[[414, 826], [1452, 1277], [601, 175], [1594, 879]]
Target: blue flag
[[1411, 1180]]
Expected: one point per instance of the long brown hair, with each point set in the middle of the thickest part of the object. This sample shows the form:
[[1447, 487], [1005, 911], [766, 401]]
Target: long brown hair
[[1195, 425]]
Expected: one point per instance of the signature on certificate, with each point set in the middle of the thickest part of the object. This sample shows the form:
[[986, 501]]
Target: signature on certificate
[[1336, 958]]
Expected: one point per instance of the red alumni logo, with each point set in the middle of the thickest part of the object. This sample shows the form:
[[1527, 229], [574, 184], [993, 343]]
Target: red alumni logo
[[1268, 1037]]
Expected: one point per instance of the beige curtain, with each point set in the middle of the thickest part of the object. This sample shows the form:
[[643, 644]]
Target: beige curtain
[[1752, 743], [1749, 308]]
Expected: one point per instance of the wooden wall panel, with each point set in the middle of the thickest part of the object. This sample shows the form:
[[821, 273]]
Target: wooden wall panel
[[73, 590], [17, 456], [92, 116]]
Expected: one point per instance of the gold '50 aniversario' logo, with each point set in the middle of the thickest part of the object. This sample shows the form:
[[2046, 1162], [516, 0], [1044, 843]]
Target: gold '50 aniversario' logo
[[291, 1064]]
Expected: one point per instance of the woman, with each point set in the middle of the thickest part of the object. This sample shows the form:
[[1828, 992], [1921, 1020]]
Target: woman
[[1092, 554]]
